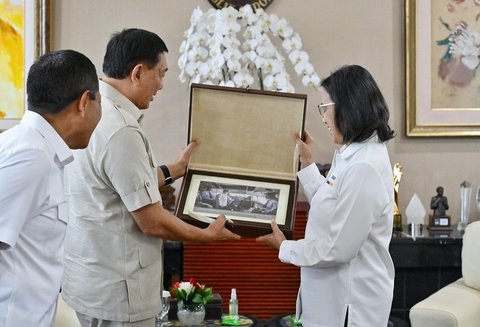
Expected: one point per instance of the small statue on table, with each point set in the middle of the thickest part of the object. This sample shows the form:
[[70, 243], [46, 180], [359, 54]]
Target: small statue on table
[[439, 220]]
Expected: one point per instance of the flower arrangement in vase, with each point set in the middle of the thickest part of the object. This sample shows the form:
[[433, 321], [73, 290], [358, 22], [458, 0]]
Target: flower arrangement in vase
[[191, 299]]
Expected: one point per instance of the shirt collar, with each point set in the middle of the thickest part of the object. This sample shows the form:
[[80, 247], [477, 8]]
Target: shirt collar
[[37, 122], [348, 150], [119, 100]]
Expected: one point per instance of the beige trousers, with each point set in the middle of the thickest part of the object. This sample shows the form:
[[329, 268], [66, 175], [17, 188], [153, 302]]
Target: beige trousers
[[87, 321]]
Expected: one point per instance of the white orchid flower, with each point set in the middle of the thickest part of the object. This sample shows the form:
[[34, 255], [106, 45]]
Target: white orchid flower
[[252, 32], [278, 82], [311, 80], [247, 15], [249, 56], [229, 13], [231, 42], [196, 17], [209, 70], [266, 51], [182, 78], [243, 79], [183, 46], [216, 50], [304, 68], [298, 56], [199, 39], [218, 61], [182, 61], [233, 65], [192, 68], [281, 28], [260, 62], [246, 10], [292, 43], [197, 53], [232, 54], [250, 44], [270, 83]]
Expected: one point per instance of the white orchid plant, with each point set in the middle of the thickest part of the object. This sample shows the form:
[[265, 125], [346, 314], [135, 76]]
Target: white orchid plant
[[212, 52]]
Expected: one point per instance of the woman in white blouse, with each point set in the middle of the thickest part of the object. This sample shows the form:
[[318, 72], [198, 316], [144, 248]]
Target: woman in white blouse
[[346, 270]]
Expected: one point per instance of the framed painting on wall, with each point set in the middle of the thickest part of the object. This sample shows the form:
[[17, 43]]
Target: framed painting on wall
[[24, 35], [442, 59]]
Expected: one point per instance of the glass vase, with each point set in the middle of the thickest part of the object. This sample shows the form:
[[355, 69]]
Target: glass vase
[[191, 314]]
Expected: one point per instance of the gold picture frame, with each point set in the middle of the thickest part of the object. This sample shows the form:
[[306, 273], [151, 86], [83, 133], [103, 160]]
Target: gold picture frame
[[442, 98], [33, 36]]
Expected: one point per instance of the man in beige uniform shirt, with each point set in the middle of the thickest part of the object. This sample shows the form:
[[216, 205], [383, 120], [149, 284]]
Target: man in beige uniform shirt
[[113, 259]]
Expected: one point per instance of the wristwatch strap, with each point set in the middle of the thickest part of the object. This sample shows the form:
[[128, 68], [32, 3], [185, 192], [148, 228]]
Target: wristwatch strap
[[166, 173]]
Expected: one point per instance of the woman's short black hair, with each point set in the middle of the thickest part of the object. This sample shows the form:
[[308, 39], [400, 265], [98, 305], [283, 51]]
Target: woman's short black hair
[[360, 108], [130, 47], [58, 78]]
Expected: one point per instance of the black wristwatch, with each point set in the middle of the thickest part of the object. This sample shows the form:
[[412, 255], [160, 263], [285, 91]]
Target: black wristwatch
[[166, 173]]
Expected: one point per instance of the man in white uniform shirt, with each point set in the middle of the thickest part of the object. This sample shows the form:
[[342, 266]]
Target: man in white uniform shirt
[[63, 110]]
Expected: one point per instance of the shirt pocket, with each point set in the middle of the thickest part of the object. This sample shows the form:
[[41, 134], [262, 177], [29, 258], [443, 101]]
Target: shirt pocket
[[63, 214], [149, 274], [53, 224]]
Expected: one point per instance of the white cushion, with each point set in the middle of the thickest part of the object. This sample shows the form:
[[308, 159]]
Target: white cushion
[[455, 305], [471, 255], [66, 316]]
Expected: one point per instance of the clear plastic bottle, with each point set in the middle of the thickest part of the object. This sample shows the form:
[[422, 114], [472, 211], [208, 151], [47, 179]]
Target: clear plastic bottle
[[233, 305]]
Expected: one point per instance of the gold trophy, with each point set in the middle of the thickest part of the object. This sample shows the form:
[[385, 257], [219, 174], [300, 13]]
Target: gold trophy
[[397, 216]]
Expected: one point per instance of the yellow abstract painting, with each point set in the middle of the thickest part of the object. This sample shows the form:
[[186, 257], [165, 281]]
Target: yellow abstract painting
[[12, 30]]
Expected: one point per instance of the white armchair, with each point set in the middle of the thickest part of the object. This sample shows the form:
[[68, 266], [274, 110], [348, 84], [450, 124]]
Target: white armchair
[[66, 316], [457, 304]]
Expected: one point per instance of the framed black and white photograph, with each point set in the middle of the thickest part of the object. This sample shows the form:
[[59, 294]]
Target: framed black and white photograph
[[248, 204]]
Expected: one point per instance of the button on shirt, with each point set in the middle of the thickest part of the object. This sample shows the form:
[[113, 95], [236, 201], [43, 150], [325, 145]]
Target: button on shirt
[[344, 256], [104, 247], [33, 220]]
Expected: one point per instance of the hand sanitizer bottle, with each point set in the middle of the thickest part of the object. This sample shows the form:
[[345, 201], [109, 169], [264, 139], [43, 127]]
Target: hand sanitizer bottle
[[233, 305]]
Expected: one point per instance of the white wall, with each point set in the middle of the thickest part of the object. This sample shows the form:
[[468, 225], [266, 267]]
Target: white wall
[[368, 32]]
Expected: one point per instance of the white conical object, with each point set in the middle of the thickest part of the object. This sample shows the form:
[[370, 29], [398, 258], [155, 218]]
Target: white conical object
[[415, 211]]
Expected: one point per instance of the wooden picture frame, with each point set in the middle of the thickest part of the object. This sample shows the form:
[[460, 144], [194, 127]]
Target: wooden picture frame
[[246, 206], [442, 98], [246, 151], [27, 44]]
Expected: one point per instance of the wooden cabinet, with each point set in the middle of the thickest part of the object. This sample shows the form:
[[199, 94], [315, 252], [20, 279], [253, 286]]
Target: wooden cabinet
[[423, 266]]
